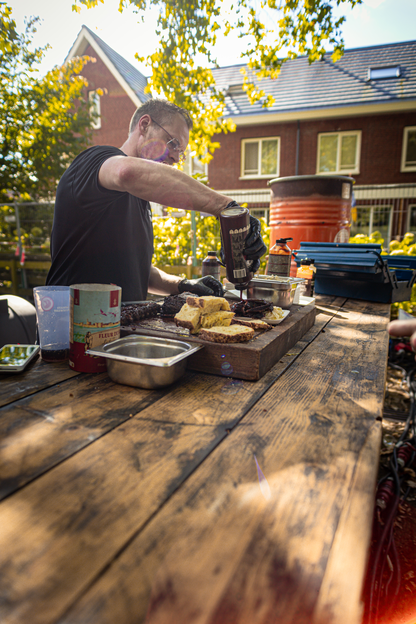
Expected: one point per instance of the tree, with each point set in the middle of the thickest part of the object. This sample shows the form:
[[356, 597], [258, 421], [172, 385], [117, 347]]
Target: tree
[[189, 30], [44, 122]]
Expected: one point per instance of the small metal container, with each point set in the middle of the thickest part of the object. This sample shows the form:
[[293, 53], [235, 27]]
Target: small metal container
[[145, 361], [280, 293]]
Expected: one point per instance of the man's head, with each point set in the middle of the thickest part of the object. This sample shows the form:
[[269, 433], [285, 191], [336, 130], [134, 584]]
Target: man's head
[[160, 131]]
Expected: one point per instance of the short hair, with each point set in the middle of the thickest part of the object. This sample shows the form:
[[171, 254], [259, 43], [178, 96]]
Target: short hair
[[161, 111]]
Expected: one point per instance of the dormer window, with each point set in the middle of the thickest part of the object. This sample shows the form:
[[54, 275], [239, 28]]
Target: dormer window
[[235, 90], [381, 73]]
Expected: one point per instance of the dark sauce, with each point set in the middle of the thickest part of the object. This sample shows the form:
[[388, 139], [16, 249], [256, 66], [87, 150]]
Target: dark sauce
[[54, 355]]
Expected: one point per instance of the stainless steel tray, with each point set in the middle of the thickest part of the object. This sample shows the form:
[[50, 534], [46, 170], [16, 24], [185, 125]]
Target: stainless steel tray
[[145, 361]]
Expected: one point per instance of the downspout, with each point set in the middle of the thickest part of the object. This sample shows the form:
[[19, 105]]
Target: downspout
[[297, 149]]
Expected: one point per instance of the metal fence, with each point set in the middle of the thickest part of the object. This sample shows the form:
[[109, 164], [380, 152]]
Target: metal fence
[[25, 230], [25, 227], [388, 208]]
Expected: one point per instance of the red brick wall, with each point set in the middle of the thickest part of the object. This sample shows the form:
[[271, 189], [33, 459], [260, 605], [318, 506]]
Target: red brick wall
[[116, 106], [381, 149]]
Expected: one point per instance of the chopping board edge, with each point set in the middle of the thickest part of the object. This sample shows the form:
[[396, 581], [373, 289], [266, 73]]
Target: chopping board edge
[[246, 360]]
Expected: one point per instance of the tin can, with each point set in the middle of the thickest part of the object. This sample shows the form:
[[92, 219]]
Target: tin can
[[94, 320]]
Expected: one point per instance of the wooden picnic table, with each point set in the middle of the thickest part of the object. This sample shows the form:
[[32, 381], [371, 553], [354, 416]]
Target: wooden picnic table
[[213, 501]]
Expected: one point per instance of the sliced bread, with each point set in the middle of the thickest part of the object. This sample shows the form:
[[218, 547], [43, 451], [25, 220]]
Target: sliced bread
[[233, 333], [188, 317], [208, 303], [222, 318], [253, 323]]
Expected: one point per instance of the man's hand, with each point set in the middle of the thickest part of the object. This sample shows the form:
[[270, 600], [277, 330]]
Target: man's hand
[[203, 286], [254, 247], [404, 328]]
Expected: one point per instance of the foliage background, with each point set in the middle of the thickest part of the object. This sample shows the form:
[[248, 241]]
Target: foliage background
[[173, 238], [44, 121]]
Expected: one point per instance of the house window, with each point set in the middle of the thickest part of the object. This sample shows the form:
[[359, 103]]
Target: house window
[[260, 157], [368, 219], [194, 167], [411, 226], [339, 152], [381, 73], [409, 149], [95, 108]]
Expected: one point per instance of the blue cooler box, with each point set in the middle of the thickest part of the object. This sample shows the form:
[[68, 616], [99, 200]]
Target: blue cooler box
[[359, 271]]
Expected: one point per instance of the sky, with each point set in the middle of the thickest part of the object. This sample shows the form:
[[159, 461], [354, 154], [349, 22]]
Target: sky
[[372, 23]]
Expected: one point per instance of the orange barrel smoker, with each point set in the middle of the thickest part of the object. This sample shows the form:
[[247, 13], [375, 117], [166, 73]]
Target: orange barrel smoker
[[315, 208]]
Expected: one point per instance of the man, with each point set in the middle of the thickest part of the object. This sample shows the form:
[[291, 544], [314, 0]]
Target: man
[[102, 230]]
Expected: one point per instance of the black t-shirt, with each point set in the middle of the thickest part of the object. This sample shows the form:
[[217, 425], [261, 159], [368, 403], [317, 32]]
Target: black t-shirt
[[100, 236]]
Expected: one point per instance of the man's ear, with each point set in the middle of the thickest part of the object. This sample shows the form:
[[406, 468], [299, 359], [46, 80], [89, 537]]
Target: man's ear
[[144, 123]]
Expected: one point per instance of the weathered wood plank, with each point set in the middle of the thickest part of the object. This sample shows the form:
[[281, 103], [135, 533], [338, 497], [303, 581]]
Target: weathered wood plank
[[334, 603], [37, 376], [38, 432], [229, 555], [73, 520]]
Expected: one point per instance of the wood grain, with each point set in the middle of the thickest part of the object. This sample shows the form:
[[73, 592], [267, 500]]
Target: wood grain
[[40, 431], [64, 528], [221, 550], [35, 377]]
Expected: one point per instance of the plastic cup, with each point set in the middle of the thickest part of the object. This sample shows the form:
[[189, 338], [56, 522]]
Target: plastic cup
[[52, 316]]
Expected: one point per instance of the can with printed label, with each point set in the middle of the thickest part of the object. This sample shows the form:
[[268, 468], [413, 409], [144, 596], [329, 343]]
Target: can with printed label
[[94, 320], [235, 226]]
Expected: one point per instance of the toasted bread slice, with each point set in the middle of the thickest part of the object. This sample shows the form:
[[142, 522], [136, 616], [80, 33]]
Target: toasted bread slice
[[208, 303], [253, 323], [233, 333], [188, 317], [222, 318]]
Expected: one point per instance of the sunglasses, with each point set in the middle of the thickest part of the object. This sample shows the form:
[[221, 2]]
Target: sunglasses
[[172, 144]]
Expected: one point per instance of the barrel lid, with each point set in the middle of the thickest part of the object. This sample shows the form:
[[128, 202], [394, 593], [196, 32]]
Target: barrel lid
[[311, 177]]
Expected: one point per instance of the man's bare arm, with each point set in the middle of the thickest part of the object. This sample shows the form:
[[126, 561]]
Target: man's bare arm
[[161, 283], [160, 183]]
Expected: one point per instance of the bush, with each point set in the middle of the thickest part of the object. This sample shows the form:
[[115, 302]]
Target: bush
[[173, 238]]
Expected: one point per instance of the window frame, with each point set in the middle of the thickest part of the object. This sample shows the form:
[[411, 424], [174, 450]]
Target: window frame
[[375, 73], [338, 171], [259, 176], [410, 208], [95, 103], [371, 226], [188, 166], [403, 167]]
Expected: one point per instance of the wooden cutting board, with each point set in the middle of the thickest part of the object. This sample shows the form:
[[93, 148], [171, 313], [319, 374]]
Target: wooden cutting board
[[248, 360]]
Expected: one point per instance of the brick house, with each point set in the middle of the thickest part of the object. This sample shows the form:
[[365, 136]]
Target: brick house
[[354, 117], [123, 87]]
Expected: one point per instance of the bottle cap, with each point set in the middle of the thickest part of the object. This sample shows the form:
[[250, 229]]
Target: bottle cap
[[212, 253], [306, 261], [283, 240]]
